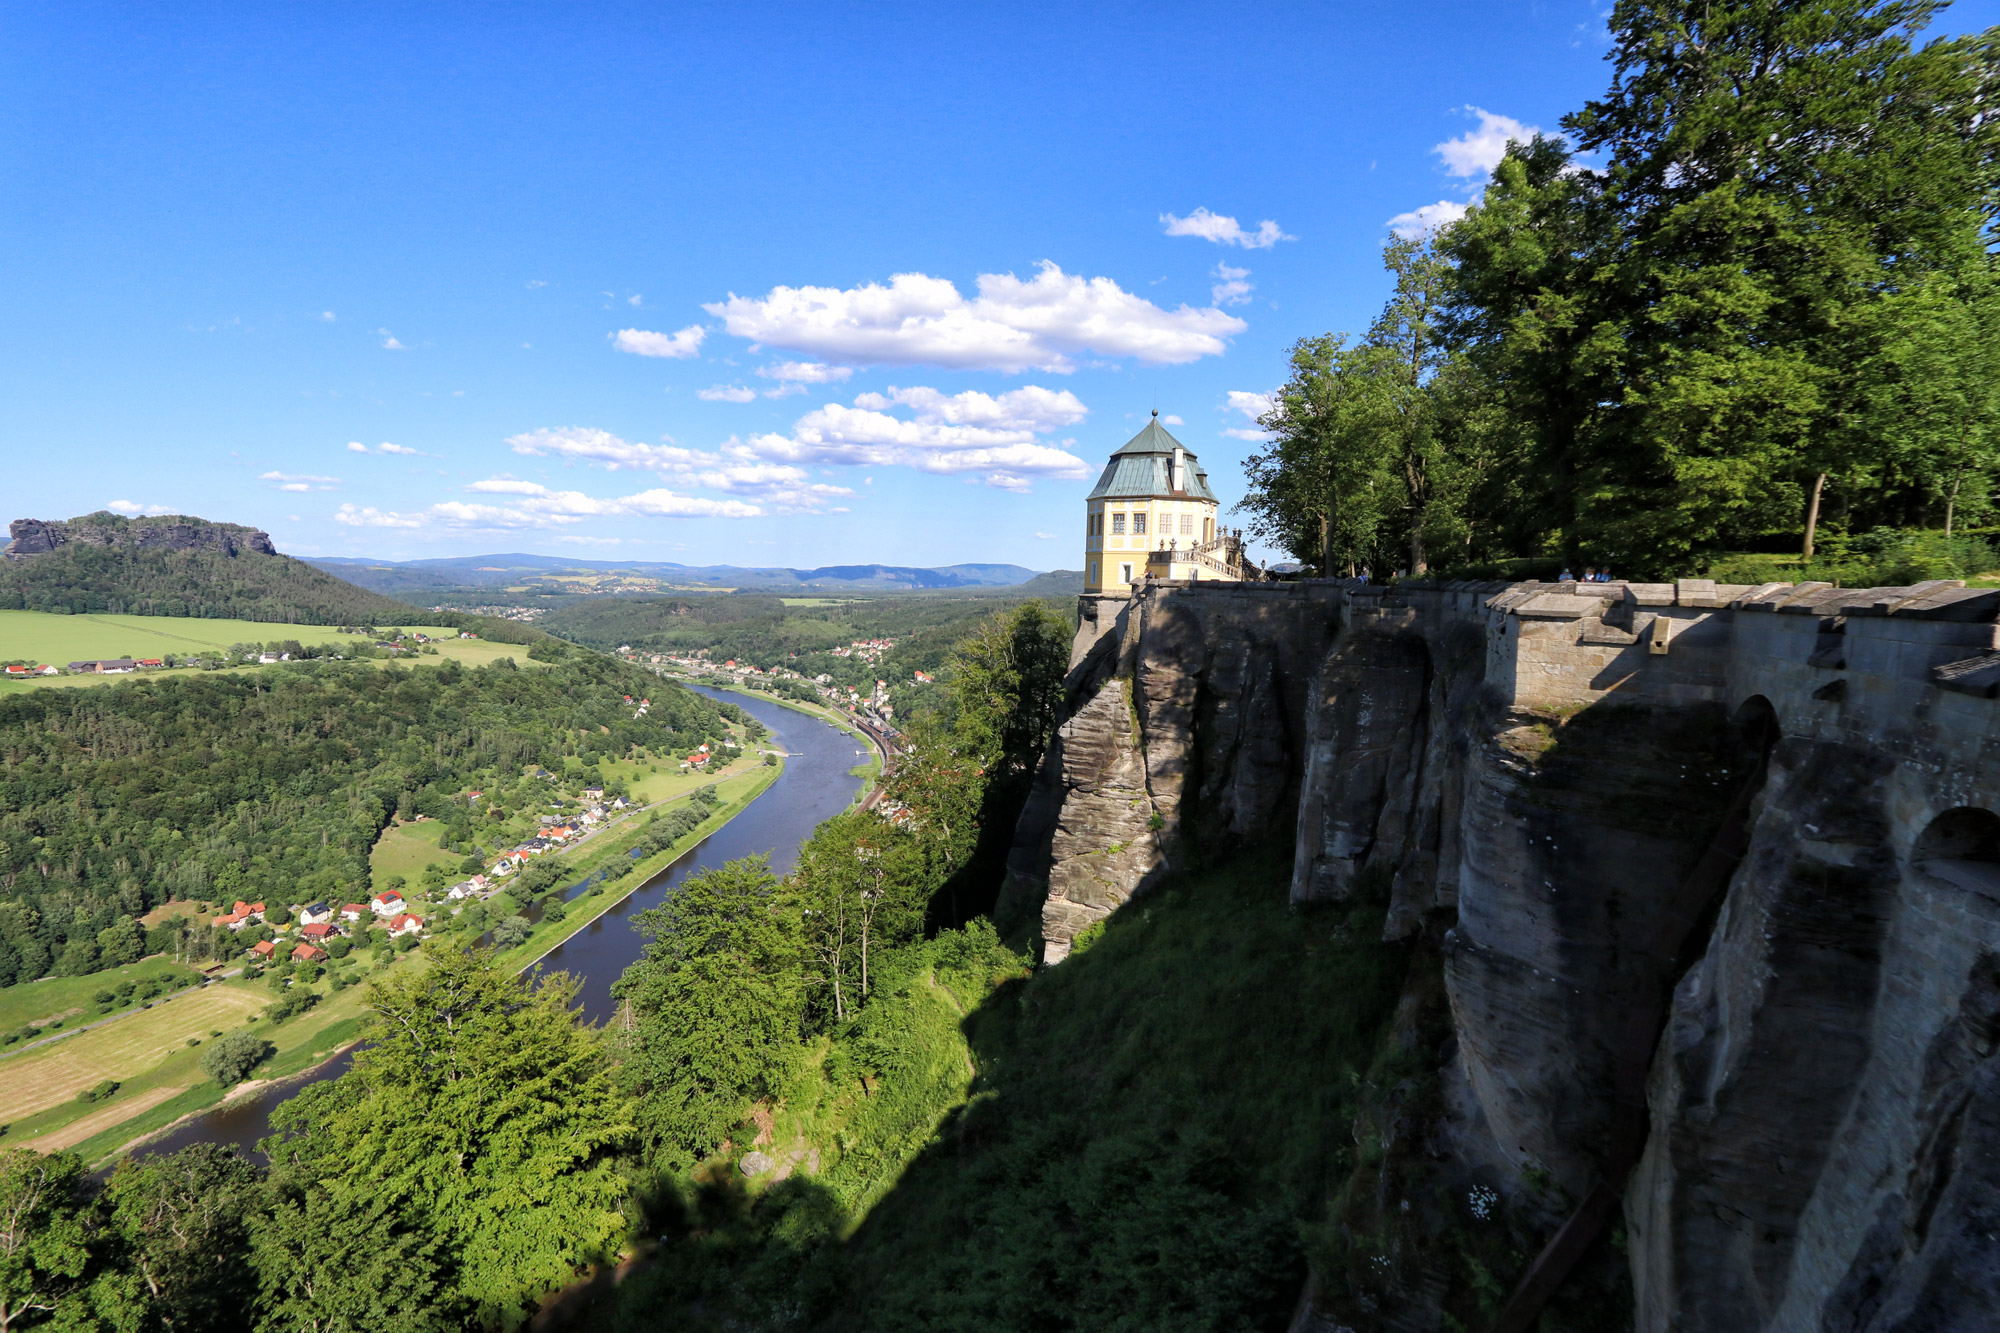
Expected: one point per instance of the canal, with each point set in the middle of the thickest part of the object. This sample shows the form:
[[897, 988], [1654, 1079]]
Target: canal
[[815, 785]]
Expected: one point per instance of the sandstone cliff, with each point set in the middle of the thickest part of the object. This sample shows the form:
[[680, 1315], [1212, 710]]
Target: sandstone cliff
[[1710, 876], [37, 536]]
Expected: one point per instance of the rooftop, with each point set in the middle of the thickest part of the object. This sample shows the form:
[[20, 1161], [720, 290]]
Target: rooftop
[[1142, 468]]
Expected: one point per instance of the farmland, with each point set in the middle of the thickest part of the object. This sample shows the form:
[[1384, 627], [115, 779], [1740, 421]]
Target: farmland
[[36, 636]]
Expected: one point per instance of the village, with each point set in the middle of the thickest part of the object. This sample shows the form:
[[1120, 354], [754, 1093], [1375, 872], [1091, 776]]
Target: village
[[873, 707]]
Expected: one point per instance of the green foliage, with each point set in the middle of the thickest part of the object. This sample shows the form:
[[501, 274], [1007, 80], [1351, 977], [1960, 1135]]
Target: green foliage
[[717, 1005], [45, 1233], [115, 800], [230, 1057], [473, 1145], [128, 579], [1772, 304], [177, 1229]]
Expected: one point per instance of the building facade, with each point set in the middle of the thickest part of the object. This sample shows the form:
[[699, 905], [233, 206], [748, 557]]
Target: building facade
[[1153, 514]]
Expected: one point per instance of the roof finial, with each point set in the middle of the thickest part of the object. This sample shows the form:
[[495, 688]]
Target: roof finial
[[1156, 412]]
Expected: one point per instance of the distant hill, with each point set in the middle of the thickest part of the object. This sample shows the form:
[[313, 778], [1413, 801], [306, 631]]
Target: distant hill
[[175, 565], [495, 571]]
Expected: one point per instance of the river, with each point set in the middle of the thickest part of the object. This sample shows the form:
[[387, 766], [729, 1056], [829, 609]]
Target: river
[[815, 785]]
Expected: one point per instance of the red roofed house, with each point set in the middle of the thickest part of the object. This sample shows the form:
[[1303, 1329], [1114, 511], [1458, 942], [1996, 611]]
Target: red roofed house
[[387, 903], [263, 948], [319, 932], [306, 953], [405, 924], [353, 912]]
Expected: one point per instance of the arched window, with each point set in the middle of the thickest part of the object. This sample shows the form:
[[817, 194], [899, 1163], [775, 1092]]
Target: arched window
[[1962, 847]]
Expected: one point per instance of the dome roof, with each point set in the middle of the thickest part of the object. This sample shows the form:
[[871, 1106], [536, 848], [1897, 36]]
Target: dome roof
[[1142, 470]]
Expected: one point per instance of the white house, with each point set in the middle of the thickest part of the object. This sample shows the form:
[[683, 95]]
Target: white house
[[387, 903]]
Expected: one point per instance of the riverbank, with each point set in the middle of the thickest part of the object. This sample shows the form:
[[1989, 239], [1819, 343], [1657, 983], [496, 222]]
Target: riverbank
[[156, 1100], [870, 773]]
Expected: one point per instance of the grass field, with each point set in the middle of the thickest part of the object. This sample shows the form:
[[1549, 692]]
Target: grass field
[[41, 637], [60, 639], [64, 997], [119, 1050], [405, 849]]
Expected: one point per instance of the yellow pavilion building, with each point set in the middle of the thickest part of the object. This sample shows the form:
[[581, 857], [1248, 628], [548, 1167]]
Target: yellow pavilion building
[[1152, 514]]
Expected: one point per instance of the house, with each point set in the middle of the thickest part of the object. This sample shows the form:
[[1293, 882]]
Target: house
[[387, 903], [151, 662], [593, 793], [250, 909], [316, 915], [264, 949], [48, 671], [464, 890], [319, 932], [309, 953], [620, 803], [353, 912], [18, 672], [405, 924], [233, 921]]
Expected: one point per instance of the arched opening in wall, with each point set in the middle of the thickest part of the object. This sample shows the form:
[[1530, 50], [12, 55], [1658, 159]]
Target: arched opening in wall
[[1962, 847], [1756, 725]]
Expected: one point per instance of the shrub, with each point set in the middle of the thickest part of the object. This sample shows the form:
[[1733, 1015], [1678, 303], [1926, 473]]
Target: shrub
[[231, 1057]]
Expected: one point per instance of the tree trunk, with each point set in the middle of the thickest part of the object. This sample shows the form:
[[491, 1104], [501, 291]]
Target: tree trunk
[[1812, 515], [1325, 545]]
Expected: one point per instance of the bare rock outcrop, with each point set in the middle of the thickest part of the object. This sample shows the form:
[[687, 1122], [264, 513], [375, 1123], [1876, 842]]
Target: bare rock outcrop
[[36, 536]]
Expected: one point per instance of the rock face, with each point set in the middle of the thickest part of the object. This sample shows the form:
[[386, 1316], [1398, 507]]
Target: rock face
[[34, 536], [1716, 872]]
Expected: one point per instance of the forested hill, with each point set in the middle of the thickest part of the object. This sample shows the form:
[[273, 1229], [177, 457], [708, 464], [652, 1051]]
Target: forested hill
[[274, 784], [176, 566]]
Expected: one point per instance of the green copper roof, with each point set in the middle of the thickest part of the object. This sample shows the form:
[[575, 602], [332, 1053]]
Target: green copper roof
[[1142, 469]]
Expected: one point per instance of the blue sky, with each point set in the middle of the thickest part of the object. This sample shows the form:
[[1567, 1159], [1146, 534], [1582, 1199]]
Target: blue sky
[[736, 283]]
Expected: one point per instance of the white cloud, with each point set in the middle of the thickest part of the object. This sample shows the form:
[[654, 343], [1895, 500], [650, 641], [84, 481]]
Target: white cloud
[[356, 447], [286, 481], [950, 434], [1431, 217], [401, 450], [678, 346], [389, 342], [633, 300], [1252, 406], [1045, 536], [531, 505], [132, 510], [327, 315], [1230, 289], [786, 487], [1011, 326], [537, 282], [1475, 153], [1224, 230], [726, 393], [1171, 420], [806, 372]]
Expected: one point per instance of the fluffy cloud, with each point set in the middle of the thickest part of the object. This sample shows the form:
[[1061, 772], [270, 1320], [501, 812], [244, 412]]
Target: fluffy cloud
[[1420, 221], [1224, 230], [1252, 406], [528, 505], [389, 342], [132, 510], [400, 450], [985, 437], [806, 372], [1230, 287], [784, 487], [1475, 153], [1011, 326], [726, 393], [286, 481], [643, 342]]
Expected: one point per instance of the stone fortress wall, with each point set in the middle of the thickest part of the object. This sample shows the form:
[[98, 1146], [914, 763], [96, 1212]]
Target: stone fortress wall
[[1721, 869]]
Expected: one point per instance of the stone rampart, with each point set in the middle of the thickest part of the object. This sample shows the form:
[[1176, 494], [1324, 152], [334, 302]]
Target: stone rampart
[[1720, 864]]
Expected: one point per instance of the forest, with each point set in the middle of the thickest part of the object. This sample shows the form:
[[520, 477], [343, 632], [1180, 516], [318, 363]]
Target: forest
[[1743, 304], [271, 784]]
